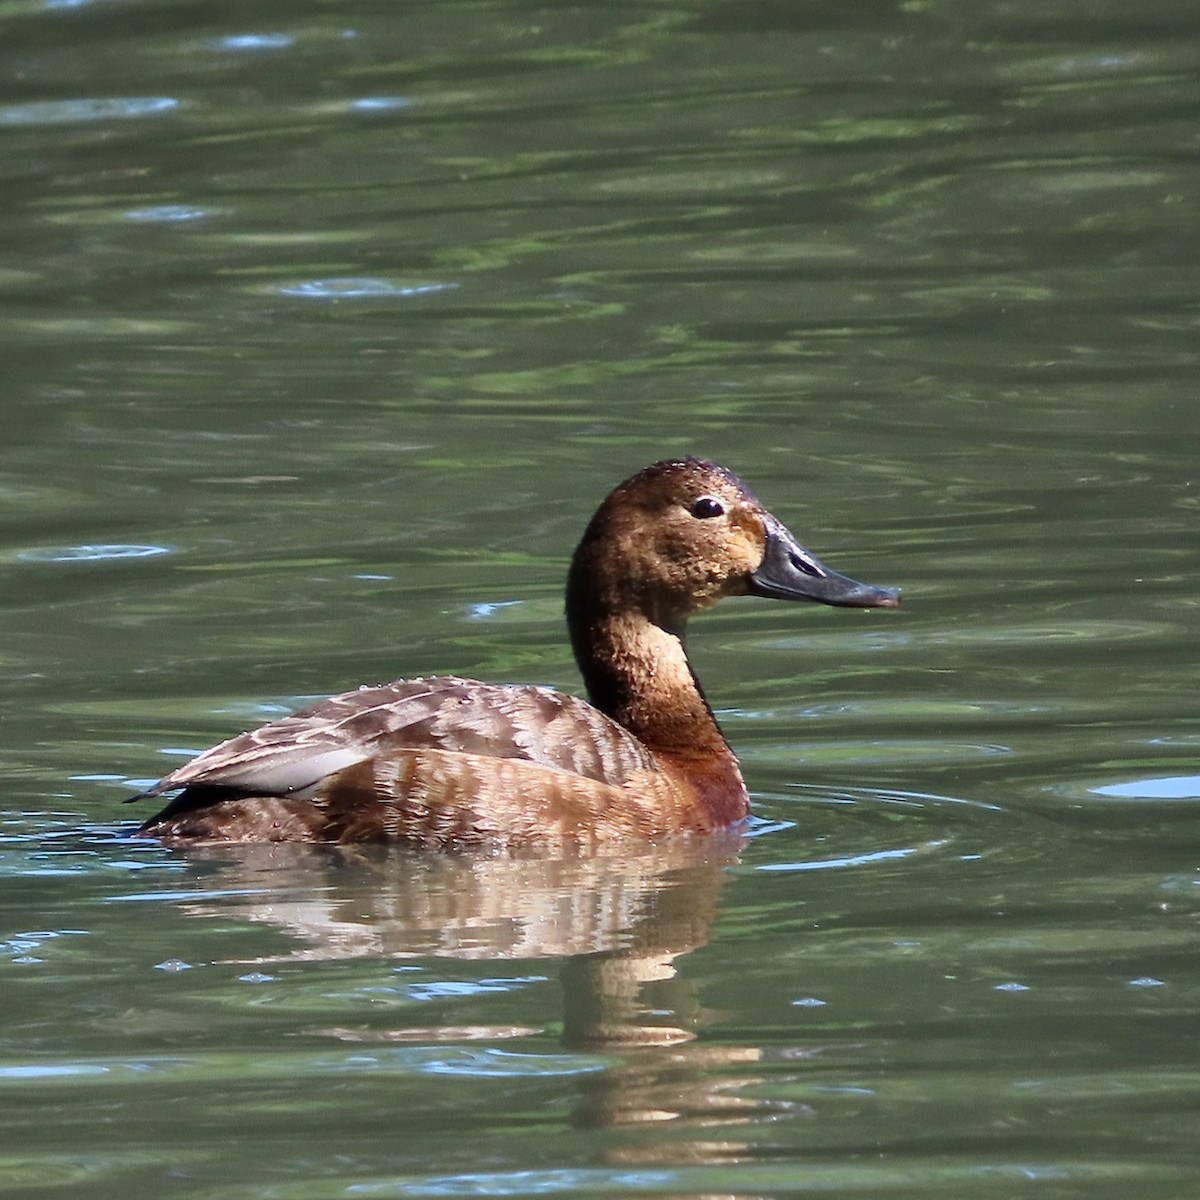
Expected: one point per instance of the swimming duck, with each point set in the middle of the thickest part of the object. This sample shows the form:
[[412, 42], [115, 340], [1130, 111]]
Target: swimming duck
[[449, 762]]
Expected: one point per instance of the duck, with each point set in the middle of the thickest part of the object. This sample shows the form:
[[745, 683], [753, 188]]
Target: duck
[[446, 762]]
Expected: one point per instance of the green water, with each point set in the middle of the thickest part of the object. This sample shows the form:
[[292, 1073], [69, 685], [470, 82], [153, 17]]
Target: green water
[[326, 326]]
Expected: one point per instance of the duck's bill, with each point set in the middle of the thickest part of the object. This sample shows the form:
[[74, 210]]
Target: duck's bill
[[789, 572]]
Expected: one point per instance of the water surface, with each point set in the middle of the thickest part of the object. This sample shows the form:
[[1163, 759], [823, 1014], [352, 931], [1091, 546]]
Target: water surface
[[327, 326]]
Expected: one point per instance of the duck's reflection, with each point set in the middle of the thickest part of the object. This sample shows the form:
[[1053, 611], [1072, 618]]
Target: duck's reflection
[[619, 920], [618, 923]]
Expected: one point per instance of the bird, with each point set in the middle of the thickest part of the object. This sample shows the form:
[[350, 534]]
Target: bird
[[445, 763]]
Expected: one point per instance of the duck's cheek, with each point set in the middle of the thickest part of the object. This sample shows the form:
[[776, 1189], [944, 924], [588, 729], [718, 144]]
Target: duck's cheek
[[718, 586], [747, 542], [743, 558], [737, 585]]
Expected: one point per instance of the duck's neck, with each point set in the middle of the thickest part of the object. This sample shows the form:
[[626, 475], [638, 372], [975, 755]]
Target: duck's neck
[[638, 673]]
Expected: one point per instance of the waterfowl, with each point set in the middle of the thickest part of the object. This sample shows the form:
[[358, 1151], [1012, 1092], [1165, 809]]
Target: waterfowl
[[445, 761]]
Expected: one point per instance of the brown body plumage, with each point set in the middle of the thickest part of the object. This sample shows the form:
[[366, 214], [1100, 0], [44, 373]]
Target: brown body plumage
[[447, 761]]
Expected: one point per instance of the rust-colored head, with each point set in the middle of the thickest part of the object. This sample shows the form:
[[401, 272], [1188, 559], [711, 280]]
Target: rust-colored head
[[678, 536]]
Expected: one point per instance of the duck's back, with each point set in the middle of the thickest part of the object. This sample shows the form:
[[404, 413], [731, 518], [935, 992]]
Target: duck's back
[[441, 760]]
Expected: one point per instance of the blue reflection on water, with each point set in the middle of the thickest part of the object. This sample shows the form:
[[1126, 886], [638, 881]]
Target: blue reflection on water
[[441, 989], [92, 553], [51, 1070], [380, 103], [252, 42], [20, 945], [65, 112], [487, 609], [167, 213], [523, 1183], [356, 289], [1169, 787], [853, 860], [461, 1060]]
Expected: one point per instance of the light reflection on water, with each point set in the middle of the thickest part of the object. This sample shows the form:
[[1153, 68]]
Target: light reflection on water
[[97, 553], [68, 112], [363, 289], [1174, 787], [169, 213]]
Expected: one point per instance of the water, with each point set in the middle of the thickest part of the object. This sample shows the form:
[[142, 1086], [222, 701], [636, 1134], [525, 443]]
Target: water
[[326, 326]]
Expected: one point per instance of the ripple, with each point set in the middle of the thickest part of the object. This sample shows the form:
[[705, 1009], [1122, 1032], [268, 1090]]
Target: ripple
[[1150, 789], [252, 42], [69, 112], [1077, 66], [51, 1070], [746, 1177], [20, 947], [489, 1063], [378, 104], [100, 552], [1086, 630], [851, 860], [362, 289], [169, 213], [442, 989], [938, 709], [55, 328], [811, 754], [1164, 787], [890, 796], [487, 610], [873, 640], [468, 1062]]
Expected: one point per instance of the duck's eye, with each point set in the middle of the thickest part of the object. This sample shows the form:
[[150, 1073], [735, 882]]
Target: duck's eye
[[708, 506]]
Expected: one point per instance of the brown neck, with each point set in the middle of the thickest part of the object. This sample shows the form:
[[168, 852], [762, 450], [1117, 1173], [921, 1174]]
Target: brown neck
[[638, 673], [628, 642]]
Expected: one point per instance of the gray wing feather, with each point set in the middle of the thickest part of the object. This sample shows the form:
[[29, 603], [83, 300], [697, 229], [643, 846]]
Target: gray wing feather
[[292, 755]]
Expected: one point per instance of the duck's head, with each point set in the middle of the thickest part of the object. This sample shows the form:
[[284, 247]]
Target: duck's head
[[678, 536]]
